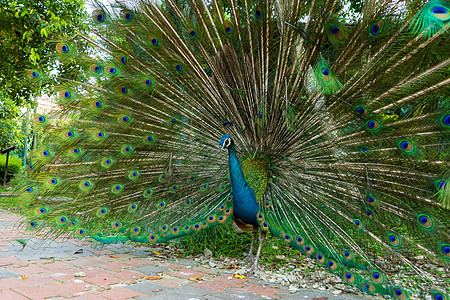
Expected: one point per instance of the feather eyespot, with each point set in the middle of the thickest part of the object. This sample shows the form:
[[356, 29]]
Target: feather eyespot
[[98, 16], [148, 193], [147, 82], [52, 181], [126, 150], [445, 250], [136, 230], [406, 146], [126, 15], [222, 219], [211, 219], [41, 211], [394, 240], [308, 249], [331, 265], [425, 221], [40, 119], [28, 190], [192, 33], [438, 296], [258, 13], [361, 110], [44, 153], [325, 74], [62, 48], [123, 59], [154, 41], [335, 29], [33, 74], [178, 67], [398, 293], [348, 277], [80, 232], [32, 224], [376, 28], [320, 258], [440, 12], [446, 120], [229, 198], [96, 69], [152, 238], [75, 151], [132, 207], [116, 189], [116, 225], [107, 162], [62, 220], [111, 70], [133, 175], [65, 94], [161, 205], [174, 188], [102, 211], [373, 125]]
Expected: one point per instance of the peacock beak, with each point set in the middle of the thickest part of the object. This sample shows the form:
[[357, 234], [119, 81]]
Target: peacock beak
[[220, 148]]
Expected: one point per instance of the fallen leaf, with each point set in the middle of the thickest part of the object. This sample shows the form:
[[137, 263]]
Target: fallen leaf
[[156, 291], [156, 253], [23, 276], [322, 298], [153, 277], [196, 278], [113, 256], [240, 276]]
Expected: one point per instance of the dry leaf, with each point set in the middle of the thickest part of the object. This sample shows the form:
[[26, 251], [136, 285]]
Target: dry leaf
[[240, 276], [153, 277], [24, 276], [322, 298], [156, 253], [196, 278], [113, 256]]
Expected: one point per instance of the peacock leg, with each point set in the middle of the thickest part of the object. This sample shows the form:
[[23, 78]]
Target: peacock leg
[[252, 247], [262, 236]]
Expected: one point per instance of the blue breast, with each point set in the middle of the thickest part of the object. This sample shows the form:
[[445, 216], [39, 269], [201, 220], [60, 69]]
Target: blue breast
[[244, 199]]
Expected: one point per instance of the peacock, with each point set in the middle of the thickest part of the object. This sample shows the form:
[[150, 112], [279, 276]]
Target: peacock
[[336, 130]]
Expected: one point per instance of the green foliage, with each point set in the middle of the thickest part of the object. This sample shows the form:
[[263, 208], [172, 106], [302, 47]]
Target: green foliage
[[10, 125], [14, 167], [25, 28]]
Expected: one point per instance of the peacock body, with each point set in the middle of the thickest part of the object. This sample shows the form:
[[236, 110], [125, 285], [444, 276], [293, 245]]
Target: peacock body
[[337, 134]]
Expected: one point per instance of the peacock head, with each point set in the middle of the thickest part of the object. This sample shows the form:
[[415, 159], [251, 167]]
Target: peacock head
[[225, 142]]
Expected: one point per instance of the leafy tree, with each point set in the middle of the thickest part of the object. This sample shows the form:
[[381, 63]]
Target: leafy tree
[[25, 28]]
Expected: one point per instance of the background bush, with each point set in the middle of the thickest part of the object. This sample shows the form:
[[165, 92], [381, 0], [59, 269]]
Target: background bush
[[14, 167]]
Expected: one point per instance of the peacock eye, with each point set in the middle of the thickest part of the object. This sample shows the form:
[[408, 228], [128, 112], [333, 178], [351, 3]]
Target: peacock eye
[[227, 142]]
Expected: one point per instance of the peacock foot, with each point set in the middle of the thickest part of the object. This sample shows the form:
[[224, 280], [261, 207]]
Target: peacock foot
[[249, 258]]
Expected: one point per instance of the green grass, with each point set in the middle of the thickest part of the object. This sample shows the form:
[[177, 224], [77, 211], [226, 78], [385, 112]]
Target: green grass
[[15, 204], [223, 240]]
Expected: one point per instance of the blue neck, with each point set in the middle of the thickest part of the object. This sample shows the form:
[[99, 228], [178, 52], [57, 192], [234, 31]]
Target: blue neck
[[244, 199]]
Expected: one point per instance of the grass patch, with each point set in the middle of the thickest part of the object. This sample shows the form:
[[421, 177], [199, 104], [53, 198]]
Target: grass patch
[[15, 204], [223, 240]]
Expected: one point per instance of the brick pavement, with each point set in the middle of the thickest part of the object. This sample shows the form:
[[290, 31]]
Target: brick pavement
[[48, 269]]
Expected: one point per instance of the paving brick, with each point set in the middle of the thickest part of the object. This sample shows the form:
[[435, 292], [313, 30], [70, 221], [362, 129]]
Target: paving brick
[[260, 290], [211, 285], [128, 275], [230, 279], [119, 293], [171, 282], [102, 280], [8, 294], [27, 270], [187, 273], [38, 293]]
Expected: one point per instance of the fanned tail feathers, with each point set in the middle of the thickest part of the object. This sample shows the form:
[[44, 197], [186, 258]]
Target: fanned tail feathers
[[349, 122]]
